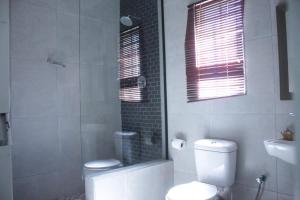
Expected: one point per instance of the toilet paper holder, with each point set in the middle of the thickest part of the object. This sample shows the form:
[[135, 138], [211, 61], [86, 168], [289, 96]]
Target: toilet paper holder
[[178, 144]]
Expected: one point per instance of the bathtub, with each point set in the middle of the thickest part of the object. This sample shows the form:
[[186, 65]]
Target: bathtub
[[146, 181]]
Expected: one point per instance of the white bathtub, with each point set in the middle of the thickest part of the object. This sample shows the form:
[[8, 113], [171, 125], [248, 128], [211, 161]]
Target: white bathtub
[[146, 181]]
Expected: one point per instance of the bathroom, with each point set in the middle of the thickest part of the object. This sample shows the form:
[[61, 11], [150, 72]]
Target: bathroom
[[97, 101]]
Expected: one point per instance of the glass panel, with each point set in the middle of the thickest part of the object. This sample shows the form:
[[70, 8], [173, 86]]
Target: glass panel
[[144, 118], [100, 105], [130, 132]]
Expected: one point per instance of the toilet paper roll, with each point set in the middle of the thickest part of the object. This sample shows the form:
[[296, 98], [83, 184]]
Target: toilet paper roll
[[178, 144]]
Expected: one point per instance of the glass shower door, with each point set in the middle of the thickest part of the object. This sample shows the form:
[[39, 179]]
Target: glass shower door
[[100, 105], [111, 126]]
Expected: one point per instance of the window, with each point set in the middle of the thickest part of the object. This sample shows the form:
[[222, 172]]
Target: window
[[130, 66], [214, 50]]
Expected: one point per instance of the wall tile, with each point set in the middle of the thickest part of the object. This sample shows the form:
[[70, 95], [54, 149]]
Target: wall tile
[[246, 193], [48, 186], [33, 31], [25, 189], [43, 186], [35, 146], [68, 6], [90, 8], [94, 108], [252, 159], [111, 72], [71, 182], [50, 4], [91, 43], [285, 197], [93, 83], [259, 24], [69, 143], [93, 142], [190, 127], [67, 34], [68, 90], [184, 160], [33, 89], [284, 121], [176, 30], [286, 178]]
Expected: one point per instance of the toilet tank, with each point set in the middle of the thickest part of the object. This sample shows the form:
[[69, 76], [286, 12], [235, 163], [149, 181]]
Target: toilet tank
[[216, 161], [127, 147]]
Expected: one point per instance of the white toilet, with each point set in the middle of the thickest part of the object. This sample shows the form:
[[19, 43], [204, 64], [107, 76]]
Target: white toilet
[[123, 140], [216, 165]]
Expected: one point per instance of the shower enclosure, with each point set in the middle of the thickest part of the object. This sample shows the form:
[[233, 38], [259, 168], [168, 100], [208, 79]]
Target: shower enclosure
[[103, 110], [67, 88]]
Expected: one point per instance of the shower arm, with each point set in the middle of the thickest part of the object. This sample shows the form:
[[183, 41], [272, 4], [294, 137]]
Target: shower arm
[[55, 62]]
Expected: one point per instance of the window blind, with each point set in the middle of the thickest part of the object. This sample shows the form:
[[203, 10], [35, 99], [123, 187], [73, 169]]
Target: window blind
[[214, 50], [130, 65]]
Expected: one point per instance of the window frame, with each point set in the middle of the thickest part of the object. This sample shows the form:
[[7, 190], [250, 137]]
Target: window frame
[[130, 69], [193, 71]]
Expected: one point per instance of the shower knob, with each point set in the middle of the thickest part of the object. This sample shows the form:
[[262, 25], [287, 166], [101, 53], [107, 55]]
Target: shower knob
[[141, 82]]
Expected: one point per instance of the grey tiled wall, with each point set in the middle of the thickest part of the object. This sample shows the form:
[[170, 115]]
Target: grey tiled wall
[[248, 119], [45, 104], [145, 117]]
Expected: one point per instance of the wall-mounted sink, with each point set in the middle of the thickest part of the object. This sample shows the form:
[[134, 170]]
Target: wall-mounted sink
[[282, 149]]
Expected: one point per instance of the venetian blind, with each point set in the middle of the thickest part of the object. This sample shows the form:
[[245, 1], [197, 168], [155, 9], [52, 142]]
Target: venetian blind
[[130, 65], [214, 49]]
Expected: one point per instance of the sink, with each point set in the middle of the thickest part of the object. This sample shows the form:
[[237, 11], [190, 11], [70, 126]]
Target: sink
[[282, 149]]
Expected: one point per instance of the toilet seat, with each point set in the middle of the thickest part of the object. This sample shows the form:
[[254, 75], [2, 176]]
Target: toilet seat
[[102, 164], [192, 191]]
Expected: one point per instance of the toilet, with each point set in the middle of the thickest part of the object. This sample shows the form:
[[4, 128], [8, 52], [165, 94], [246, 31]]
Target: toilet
[[122, 140], [215, 165]]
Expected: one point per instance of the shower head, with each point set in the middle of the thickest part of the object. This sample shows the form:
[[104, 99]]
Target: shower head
[[126, 21]]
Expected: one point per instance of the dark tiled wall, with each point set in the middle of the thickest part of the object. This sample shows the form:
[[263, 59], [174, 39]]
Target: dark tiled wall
[[145, 118]]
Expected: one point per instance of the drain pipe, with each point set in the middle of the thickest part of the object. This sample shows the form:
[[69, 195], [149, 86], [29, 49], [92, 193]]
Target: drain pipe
[[261, 185]]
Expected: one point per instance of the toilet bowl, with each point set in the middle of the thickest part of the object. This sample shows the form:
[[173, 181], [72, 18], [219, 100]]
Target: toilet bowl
[[100, 166], [123, 140], [215, 165], [193, 191]]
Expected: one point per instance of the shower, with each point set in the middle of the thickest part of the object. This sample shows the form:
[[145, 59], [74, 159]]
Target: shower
[[128, 20]]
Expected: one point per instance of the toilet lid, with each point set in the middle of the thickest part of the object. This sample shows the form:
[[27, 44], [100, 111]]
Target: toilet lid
[[101, 164], [192, 191]]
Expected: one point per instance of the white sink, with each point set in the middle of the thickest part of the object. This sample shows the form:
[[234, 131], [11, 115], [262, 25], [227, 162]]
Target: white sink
[[282, 149]]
